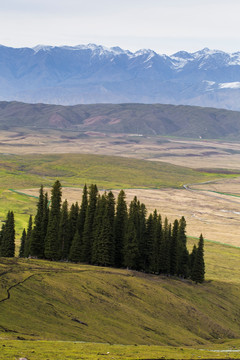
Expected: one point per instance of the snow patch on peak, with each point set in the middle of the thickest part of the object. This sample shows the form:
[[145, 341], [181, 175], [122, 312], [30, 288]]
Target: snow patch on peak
[[209, 82], [230, 85], [42, 48], [234, 59], [206, 52], [182, 55], [144, 52], [117, 50], [209, 85]]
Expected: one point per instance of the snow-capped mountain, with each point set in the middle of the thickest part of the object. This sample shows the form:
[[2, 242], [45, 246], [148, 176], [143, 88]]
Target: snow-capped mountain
[[93, 74]]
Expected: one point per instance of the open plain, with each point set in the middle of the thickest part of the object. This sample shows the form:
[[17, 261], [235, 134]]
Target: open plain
[[197, 154], [213, 212]]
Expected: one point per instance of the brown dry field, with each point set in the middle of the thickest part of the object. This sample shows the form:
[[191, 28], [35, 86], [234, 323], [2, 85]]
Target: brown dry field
[[190, 153], [229, 186], [215, 216]]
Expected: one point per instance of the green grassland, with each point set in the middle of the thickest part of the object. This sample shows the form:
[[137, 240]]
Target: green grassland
[[19, 172], [77, 302], [106, 171], [42, 350]]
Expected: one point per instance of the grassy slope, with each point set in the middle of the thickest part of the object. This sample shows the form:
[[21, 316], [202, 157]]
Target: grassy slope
[[121, 306], [19, 172], [106, 171]]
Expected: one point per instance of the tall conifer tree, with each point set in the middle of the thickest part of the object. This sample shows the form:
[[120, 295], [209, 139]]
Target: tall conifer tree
[[82, 211], [141, 235], [199, 265], [37, 239], [149, 241], [8, 236], [64, 232], [192, 258], [165, 249], [120, 228], [51, 241], [73, 218], [88, 225], [106, 241], [157, 241], [97, 228], [28, 238], [76, 248], [183, 254], [174, 249], [131, 249], [22, 246]]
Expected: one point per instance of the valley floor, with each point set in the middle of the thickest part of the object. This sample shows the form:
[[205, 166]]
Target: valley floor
[[213, 214], [42, 350]]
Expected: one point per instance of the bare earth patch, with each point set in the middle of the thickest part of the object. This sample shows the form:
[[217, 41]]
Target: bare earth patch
[[215, 216]]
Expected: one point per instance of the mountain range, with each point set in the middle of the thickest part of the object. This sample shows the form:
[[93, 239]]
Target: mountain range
[[95, 74]]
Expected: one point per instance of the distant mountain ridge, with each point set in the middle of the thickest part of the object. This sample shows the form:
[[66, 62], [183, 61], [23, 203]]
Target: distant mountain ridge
[[139, 119], [95, 74]]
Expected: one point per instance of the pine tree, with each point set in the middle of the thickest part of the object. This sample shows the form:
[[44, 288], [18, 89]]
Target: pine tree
[[82, 211], [45, 217], [88, 225], [157, 242], [120, 228], [64, 232], [22, 246], [8, 237], [106, 241], [108, 228], [192, 258], [199, 265], [174, 249], [37, 239], [51, 241], [73, 218], [131, 249], [28, 238], [183, 254], [76, 248], [97, 228], [141, 235], [148, 255], [164, 265]]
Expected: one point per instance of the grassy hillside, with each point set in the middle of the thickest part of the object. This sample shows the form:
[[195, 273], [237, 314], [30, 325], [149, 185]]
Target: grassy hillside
[[62, 301], [148, 119]]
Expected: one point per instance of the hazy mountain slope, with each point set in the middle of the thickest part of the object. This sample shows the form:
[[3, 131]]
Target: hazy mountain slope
[[93, 74], [154, 119]]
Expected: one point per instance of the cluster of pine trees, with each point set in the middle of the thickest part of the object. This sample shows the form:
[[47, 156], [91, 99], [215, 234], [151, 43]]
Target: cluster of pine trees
[[103, 231]]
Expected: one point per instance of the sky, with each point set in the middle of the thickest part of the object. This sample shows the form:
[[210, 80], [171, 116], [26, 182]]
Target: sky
[[165, 26]]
